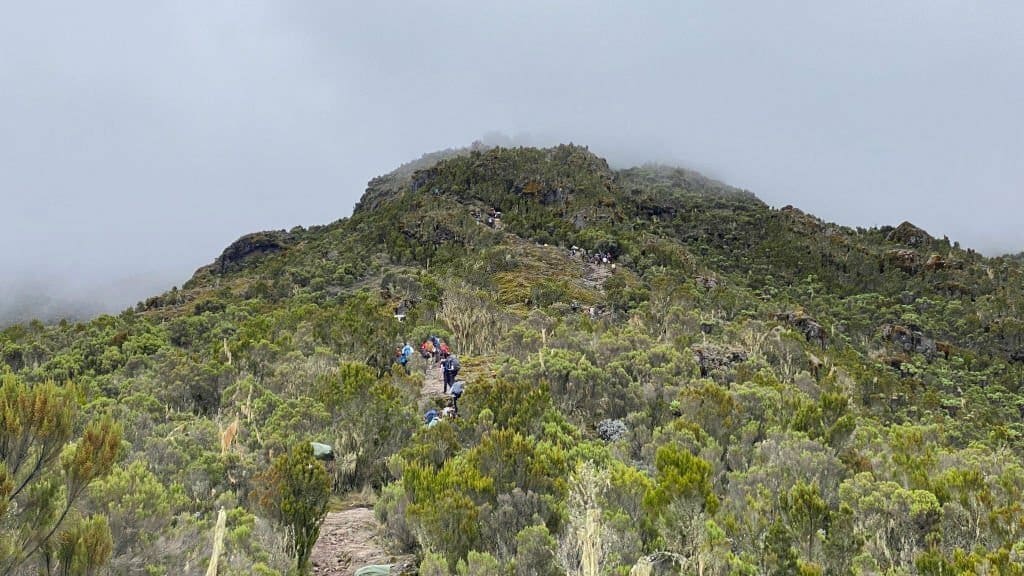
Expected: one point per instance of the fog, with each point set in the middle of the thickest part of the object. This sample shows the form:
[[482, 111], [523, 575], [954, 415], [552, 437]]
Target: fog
[[140, 138]]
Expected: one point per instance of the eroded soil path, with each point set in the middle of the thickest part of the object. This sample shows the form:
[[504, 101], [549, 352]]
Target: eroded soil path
[[349, 539], [433, 383]]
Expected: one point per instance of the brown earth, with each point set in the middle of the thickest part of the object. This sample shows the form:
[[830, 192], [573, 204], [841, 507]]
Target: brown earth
[[433, 383], [349, 540]]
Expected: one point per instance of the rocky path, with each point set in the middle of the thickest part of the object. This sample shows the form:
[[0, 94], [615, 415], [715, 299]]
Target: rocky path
[[349, 539], [433, 382], [594, 275]]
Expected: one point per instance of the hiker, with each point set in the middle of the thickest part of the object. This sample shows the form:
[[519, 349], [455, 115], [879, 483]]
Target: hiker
[[427, 352], [430, 415], [450, 368], [406, 357], [457, 388], [436, 342], [445, 350]]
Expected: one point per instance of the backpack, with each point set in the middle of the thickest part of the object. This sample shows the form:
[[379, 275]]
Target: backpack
[[453, 364]]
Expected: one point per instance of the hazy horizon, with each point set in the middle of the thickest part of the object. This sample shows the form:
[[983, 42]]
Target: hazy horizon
[[142, 139]]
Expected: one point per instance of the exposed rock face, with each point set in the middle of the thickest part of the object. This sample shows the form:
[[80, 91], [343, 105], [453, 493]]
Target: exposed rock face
[[809, 327], [903, 259], [935, 262], [710, 359], [909, 235], [910, 340], [249, 246]]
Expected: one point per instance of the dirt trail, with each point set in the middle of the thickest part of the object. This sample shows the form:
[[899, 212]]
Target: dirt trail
[[351, 539], [433, 382], [594, 275]]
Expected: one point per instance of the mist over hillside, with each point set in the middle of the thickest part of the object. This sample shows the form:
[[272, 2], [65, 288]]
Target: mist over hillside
[[218, 122], [81, 293], [50, 298]]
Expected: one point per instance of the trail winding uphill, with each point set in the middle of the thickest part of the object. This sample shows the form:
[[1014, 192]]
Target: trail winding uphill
[[349, 539], [433, 382]]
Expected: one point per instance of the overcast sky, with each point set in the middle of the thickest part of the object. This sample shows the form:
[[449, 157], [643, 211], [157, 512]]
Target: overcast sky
[[138, 139]]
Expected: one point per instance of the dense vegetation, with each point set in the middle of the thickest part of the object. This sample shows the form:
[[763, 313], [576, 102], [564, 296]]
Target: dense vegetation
[[747, 391]]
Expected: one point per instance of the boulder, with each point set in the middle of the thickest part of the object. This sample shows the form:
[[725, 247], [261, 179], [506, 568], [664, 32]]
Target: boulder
[[322, 451]]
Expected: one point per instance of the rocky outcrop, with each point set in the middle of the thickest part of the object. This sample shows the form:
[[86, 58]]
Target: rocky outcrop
[[710, 359], [812, 330], [909, 235], [903, 259], [251, 246], [910, 340], [935, 262]]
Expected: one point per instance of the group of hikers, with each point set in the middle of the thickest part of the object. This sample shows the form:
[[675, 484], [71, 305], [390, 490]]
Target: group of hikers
[[435, 350], [492, 217], [591, 257]]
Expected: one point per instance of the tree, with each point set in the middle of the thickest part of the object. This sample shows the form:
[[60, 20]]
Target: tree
[[535, 552], [86, 548], [807, 516], [294, 492], [42, 476]]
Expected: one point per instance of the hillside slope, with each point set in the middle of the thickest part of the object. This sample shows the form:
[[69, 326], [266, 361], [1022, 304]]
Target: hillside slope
[[654, 360]]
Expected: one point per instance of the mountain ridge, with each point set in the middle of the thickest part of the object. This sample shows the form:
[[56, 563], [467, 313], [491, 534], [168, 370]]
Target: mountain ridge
[[646, 351]]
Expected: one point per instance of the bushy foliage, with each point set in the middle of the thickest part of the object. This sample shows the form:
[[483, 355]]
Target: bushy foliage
[[45, 467], [294, 491], [788, 395]]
